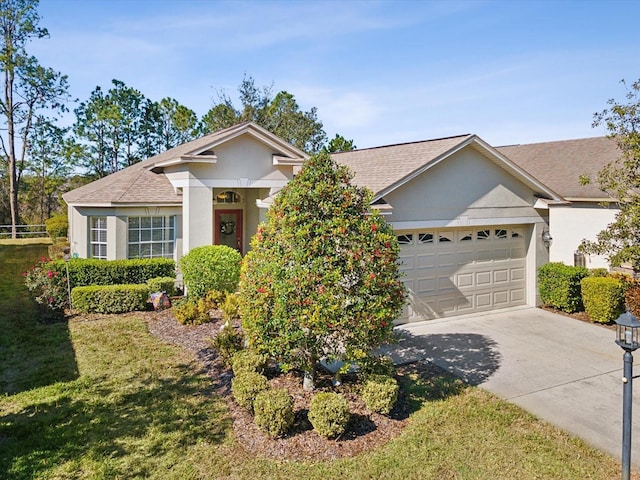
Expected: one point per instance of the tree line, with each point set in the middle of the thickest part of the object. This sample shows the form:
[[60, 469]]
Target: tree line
[[113, 128]]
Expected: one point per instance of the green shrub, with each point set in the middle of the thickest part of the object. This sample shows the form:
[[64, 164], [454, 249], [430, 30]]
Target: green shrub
[[598, 272], [228, 342], [246, 386], [273, 411], [110, 298], [329, 414], [211, 267], [603, 298], [321, 278], [230, 307], [57, 226], [91, 271], [380, 393], [376, 365], [248, 361], [191, 311], [632, 299], [48, 286], [559, 286], [162, 284], [215, 298]]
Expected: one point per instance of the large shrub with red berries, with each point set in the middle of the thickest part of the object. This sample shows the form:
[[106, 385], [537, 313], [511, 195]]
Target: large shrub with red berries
[[321, 279]]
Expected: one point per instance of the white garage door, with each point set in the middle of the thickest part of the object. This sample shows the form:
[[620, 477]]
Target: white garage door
[[463, 270]]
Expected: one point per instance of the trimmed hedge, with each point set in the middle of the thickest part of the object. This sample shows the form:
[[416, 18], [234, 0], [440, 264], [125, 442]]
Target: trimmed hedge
[[110, 298], [91, 271], [246, 386], [162, 284], [559, 286], [248, 361], [603, 298], [211, 267]]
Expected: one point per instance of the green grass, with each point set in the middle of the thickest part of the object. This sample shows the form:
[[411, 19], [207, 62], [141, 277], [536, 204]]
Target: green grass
[[102, 399]]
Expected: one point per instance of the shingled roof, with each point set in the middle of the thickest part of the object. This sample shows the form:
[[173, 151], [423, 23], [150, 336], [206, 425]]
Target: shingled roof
[[379, 168], [383, 169], [141, 183], [560, 164]]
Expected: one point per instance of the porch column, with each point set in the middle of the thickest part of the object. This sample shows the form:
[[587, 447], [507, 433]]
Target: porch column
[[197, 215]]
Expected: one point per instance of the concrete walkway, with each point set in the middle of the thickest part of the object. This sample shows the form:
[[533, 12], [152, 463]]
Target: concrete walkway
[[560, 369]]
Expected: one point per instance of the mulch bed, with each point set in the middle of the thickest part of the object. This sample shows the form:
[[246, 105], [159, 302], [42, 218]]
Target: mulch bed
[[366, 430]]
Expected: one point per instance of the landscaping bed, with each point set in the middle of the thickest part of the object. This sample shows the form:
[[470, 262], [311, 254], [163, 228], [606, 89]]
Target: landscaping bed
[[366, 430]]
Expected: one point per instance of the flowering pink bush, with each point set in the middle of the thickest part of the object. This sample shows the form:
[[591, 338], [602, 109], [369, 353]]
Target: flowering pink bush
[[48, 285]]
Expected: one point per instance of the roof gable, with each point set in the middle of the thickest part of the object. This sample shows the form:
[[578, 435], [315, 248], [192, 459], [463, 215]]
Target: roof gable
[[203, 149], [145, 182], [384, 169]]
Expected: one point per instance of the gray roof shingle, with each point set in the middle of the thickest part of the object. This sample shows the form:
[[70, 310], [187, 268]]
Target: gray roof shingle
[[382, 167], [560, 164]]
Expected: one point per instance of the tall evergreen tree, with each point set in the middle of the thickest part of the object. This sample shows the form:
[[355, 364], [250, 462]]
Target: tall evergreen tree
[[29, 88]]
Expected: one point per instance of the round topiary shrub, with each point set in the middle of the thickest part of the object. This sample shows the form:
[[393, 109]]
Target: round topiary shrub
[[380, 393], [273, 411], [246, 386], [211, 267], [248, 361], [329, 414]]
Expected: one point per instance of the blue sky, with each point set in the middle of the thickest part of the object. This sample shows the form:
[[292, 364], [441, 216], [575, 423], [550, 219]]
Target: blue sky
[[379, 72]]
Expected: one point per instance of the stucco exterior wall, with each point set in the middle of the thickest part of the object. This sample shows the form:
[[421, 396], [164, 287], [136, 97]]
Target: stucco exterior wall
[[241, 163], [568, 225], [470, 190], [466, 189], [117, 228]]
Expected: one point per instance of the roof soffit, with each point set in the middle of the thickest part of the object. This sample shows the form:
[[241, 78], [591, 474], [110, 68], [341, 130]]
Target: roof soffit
[[284, 153]]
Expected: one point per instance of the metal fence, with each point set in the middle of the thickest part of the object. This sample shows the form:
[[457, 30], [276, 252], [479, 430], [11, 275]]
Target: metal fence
[[24, 231]]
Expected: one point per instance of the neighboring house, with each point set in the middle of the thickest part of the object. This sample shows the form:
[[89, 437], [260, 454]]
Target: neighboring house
[[469, 220], [585, 210]]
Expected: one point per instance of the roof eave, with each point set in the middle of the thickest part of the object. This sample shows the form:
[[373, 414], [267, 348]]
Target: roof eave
[[122, 204]]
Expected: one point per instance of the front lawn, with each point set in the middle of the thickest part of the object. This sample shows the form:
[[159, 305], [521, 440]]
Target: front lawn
[[100, 397]]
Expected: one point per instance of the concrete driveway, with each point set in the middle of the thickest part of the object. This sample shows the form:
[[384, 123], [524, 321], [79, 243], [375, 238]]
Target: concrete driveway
[[562, 370]]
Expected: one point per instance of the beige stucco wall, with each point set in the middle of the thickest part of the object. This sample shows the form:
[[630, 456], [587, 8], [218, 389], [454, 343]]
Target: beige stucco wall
[[465, 189], [468, 189], [569, 224], [117, 227], [241, 163]]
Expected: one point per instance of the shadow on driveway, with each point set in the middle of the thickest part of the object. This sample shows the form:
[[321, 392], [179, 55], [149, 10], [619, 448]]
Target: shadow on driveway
[[469, 356]]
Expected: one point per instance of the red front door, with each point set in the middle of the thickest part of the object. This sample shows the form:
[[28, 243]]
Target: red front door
[[228, 228]]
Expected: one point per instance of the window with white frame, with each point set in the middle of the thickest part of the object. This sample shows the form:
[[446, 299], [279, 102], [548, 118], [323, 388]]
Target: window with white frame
[[151, 237], [98, 237]]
